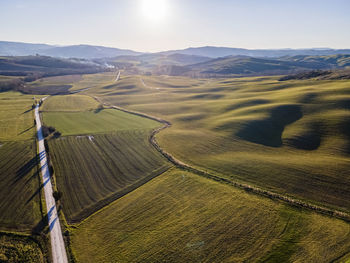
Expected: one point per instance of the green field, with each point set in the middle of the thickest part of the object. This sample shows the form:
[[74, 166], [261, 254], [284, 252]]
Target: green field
[[291, 137], [70, 103], [19, 179], [89, 81], [16, 116], [96, 121], [181, 217], [92, 171], [19, 186], [102, 154]]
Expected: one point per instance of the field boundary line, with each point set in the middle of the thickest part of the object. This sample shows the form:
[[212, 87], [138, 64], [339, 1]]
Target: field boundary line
[[248, 188], [89, 211]]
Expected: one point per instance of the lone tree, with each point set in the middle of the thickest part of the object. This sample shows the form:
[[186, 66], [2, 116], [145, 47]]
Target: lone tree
[[57, 195]]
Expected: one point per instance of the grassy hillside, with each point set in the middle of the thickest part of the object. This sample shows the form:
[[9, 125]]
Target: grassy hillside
[[70, 103], [16, 116], [92, 171], [291, 137], [181, 217], [94, 80], [97, 121]]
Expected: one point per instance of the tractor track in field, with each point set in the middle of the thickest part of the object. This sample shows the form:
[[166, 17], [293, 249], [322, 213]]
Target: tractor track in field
[[248, 188]]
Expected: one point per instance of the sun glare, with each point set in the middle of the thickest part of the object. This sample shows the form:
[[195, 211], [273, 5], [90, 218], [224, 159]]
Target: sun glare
[[154, 9]]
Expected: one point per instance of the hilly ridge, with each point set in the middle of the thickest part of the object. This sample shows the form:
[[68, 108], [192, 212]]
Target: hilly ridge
[[8, 48]]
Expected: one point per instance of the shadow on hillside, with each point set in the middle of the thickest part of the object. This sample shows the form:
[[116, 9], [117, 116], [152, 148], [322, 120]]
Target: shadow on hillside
[[309, 140], [249, 103], [345, 129], [269, 131]]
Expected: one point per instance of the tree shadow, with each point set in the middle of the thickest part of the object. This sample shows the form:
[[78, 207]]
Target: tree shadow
[[98, 110], [26, 130], [42, 226], [29, 110], [38, 190], [26, 169]]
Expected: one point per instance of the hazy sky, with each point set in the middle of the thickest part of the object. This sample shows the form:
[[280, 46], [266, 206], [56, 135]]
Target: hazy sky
[[154, 25]]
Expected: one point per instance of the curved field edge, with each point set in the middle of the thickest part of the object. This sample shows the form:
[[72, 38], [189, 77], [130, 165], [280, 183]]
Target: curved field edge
[[292, 200], [214, 154], [182, 217]]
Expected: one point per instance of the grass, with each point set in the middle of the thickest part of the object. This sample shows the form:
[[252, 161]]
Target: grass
[[19, 186], [18, 248], [97, 121], [92, 171], [16, 116], [93, 80], [70, 103], [291, 137], [181, 217]]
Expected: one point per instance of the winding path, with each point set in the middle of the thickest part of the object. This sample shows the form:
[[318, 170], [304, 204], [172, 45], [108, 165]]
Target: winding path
[[58, 249]]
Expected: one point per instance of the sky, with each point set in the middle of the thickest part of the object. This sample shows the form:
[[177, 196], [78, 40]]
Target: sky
[[157, 25]]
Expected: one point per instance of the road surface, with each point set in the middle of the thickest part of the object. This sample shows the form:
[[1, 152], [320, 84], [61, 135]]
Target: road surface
[[118, 76], [59, 254]]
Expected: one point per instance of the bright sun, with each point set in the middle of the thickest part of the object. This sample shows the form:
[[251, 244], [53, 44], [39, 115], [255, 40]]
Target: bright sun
[[155, 9]]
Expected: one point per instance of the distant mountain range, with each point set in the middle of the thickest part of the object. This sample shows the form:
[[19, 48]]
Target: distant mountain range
[[253, 66], [216, 52], [75, 51], [90, 51]]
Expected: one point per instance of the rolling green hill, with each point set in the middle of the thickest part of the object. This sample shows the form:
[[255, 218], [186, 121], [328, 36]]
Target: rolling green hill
[[289, 137]]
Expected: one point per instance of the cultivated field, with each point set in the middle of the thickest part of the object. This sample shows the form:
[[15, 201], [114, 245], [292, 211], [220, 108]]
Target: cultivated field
[[16, 116], [19, 186], [182, 217], [291, 137], [96, 121], [70, 103], [93, 81], [102, 154], [92, 171]]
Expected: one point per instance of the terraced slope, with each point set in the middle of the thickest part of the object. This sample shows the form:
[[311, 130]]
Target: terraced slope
[[181, 217], [291, 137]]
